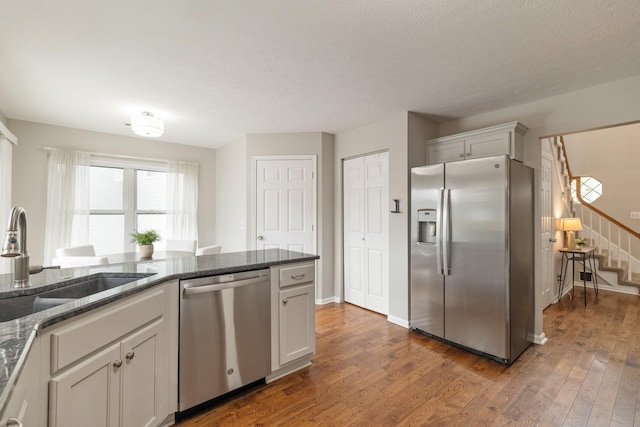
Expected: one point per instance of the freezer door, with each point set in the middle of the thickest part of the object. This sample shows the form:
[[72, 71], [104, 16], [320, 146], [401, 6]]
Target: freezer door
[[476, 311], [427, 292]]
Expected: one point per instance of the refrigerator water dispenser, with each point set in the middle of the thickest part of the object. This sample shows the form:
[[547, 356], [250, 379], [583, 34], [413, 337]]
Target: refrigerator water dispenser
[[427, 225]]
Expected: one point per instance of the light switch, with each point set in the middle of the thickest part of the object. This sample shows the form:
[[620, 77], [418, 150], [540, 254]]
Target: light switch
[[635, 215]]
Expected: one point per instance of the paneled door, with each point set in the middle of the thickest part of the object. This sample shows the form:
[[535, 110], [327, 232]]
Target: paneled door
[[366, 231], [285, 204], [546, 231]]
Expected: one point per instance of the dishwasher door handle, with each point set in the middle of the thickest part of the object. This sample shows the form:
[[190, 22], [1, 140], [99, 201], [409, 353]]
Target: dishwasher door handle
[[190, 289]]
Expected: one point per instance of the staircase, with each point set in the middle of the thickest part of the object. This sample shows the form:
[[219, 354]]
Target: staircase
[[615, 243], [622, 273], [615, 263]]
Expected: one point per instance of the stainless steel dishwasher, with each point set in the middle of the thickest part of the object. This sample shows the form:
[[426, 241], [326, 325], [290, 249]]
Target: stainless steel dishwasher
[[225, 334]]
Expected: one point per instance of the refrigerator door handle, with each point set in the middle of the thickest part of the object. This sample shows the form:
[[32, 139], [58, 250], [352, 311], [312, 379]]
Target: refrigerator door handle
[[446, 231], [439, 233]]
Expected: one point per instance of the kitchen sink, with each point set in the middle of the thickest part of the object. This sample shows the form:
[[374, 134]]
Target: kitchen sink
[[20, 306]]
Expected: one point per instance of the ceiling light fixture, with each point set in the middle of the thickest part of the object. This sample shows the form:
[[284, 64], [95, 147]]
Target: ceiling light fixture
[[147, 125]]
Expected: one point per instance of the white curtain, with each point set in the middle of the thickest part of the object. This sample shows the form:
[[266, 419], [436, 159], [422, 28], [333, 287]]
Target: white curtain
[[182, 201], [67, 221]]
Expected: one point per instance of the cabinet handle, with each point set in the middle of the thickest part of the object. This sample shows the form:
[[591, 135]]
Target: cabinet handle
[[298, 276], [117, 363], [461, 155], [11, 421], [260, 237], [284, 301], [467, 154], [129, 356]]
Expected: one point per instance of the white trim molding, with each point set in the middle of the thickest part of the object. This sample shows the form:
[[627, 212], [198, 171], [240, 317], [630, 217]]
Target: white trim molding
[[4, 131], [398, 321]]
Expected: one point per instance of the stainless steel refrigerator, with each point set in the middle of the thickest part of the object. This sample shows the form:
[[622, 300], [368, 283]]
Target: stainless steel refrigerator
[[472, 259]]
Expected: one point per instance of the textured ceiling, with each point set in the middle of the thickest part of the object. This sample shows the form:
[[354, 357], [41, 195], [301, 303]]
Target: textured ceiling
[[214, 70]]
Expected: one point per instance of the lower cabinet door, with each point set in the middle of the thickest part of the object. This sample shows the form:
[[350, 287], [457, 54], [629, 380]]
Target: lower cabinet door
[[142, 391], [297, 323], [89, 393]]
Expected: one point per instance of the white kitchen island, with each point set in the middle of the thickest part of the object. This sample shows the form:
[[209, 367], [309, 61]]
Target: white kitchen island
[[78, 361]]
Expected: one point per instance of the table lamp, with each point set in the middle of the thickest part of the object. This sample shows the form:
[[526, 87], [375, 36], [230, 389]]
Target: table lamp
[[569, 226]]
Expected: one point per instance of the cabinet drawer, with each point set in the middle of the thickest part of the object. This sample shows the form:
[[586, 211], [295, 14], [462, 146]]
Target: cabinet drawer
[[95, 330], [296, 275]]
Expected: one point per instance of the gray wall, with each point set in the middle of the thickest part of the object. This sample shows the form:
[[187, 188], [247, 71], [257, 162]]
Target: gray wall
[[400, 135], [234, 181], [594, 107], [231, 200], [29, 178], [311, 143]]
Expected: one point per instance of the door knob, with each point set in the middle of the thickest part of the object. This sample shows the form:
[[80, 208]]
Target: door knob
[[260, 237], [553, 240], [284, 301], [130, 355], [117, 363]]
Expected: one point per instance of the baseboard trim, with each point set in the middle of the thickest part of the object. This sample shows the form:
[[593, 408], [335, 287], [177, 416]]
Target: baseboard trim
[[328, 301], [398, 321], [540, 338], [304, 362]]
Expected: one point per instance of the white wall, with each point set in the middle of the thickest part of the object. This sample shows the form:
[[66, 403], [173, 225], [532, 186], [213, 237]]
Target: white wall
[[594, 107], [612, 156], [29, 186], [399, 135], [231, 201]]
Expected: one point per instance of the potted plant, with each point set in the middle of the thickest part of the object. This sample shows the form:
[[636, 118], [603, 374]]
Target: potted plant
[[581, 242], [145, 241]]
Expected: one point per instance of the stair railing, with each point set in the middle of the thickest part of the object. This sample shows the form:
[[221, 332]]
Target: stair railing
[[632, 237], [626, 239]]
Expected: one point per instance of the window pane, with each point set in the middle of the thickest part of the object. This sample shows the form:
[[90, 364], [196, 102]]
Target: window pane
[[151, 191], [106, 233], [106, 188]]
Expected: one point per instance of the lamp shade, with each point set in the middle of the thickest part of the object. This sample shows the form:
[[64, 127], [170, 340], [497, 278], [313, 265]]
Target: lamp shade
[[147, 125], [570, 224]]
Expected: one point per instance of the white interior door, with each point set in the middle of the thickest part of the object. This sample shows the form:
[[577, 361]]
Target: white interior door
[[546, 230], [366, 231], [354, 231], [285, 204]]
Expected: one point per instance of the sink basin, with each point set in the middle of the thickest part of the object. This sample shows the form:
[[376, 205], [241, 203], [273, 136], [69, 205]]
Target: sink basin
[[16, 307]]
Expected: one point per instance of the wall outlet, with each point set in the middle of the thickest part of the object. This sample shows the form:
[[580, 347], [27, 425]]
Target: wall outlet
[[635, 215]]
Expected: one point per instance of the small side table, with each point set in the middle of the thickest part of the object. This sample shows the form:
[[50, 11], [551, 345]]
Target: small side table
[[583, 255]]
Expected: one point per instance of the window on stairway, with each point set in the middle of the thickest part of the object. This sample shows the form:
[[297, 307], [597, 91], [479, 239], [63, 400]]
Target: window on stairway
[[590, 189], [122, 200]]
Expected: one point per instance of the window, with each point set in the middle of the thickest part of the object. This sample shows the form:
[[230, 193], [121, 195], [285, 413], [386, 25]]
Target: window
[[124, 199], [590, 189]]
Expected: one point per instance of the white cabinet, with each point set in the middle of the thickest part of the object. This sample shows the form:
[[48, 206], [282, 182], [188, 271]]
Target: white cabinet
[[297, 323], [293, 321], [24, 406], [493, 141], [88, 393], [112, 366]]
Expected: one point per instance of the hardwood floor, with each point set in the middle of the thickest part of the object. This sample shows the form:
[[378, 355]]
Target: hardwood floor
[[369, 372]]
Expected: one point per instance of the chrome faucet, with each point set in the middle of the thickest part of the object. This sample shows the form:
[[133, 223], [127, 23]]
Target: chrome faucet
[[17, 250]]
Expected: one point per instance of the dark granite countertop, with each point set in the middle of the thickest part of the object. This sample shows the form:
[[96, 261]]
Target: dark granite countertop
[[17, 335]]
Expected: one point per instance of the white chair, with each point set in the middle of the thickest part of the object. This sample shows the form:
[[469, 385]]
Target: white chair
[[79, 261], [71, 251], [181, 245], [209, 250]]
